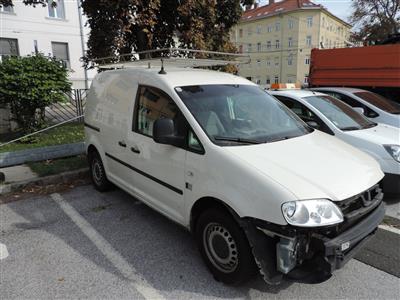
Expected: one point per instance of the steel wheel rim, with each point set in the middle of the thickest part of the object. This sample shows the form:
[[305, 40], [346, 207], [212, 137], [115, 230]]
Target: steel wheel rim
[[213, 234], [97, 171]]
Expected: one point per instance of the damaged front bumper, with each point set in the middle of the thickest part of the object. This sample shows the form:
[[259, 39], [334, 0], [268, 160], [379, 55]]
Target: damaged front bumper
[[302, 253]]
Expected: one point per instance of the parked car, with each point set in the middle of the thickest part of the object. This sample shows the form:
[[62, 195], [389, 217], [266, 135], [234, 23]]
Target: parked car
[[257, 187], [336, 118], [375, 107]]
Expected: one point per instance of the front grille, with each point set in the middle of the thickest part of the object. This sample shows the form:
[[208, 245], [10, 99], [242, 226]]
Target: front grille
[[360, 205]]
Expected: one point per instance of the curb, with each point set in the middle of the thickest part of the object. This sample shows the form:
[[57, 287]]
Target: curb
[[8, 159], [58, 178]]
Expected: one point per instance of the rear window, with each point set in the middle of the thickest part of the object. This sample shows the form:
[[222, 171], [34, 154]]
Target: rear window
[[380, 102]]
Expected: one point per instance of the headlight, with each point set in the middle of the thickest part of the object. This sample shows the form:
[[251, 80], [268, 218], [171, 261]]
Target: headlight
[[394, 151], [312, 213]]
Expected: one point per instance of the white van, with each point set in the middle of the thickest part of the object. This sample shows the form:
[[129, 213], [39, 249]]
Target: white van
[[258, 188]]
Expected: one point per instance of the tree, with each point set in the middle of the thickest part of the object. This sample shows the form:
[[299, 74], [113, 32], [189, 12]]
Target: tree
[[29, 84], [126, 26], [376, 19]]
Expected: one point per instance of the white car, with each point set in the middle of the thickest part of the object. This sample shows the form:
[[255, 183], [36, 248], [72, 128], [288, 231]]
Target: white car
[[335, 117], [257, 187], [375, 107]]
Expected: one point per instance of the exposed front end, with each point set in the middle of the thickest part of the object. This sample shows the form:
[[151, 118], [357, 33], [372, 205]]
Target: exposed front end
[[313, 253]]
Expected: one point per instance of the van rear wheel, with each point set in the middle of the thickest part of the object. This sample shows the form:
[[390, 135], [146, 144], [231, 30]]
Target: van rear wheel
[[224, 247], [98, 173]]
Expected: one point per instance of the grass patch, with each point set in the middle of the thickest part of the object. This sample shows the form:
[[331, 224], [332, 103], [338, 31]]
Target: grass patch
[[51, 167], [64, 134]]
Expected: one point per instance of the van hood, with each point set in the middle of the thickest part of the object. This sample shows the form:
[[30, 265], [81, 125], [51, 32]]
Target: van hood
[[380, 134], [313, 166]]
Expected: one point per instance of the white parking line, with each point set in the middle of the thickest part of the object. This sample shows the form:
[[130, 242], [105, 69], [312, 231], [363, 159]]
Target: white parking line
[[139, 283], [3, 251]]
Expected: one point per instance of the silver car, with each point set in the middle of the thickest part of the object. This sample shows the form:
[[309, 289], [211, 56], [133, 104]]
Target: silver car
[[373, 106]]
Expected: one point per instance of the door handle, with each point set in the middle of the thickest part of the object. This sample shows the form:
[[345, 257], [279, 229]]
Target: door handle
[[122, 143], [135, 150]]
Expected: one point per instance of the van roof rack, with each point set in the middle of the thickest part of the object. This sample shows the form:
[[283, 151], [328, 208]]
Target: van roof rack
[[175, 57]]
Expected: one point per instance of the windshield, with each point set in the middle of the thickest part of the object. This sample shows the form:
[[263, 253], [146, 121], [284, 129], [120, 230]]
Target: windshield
[[380, 102], [339, 113], [240, 114]]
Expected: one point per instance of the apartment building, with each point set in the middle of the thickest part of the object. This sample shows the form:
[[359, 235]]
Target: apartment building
[[58, 31], [279, 37]]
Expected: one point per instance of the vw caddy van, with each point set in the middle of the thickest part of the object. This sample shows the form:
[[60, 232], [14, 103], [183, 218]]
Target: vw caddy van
[[259, 189]]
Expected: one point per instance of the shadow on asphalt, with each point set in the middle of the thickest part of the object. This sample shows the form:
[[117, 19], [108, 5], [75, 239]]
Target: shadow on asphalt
[[160, 251]]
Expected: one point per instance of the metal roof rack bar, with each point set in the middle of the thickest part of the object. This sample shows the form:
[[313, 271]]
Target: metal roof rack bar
[[176, 57]]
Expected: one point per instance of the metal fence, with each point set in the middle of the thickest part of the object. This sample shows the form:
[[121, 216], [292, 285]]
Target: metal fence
[[73, 106]]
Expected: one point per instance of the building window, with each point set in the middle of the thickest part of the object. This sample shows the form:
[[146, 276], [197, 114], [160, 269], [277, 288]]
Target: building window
[[278, 44], [323, 22], [258, 29], [8, 47], [276, 61], [56, 11], [268, 62], [307, 60], [258, 63], [290, 42], [7, 9], [60, 52], [248, 47], [269, 28], [258, 47], [248, 31], [309, 22], [277, 26], [290, 61], [268, 81], [308, 41], [306, 79], [269, 45], [291, 24], [276, 79], [258, 81], [240, 32]]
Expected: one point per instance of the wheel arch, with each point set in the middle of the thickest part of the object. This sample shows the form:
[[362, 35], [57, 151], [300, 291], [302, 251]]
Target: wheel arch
[[205, 203]]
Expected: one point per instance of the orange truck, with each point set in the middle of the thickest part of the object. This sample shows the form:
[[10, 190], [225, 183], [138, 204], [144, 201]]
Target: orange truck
[[374, 68]]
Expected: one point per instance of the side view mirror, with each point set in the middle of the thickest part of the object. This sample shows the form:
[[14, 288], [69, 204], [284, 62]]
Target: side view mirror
[[313, 124], [164, 133], [360, 110]]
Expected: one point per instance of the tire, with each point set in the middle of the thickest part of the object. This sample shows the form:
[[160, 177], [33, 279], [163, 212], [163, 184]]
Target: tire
[[224, 247], [98, 173]]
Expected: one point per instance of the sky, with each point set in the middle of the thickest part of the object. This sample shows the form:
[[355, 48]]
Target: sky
[[340, 8]]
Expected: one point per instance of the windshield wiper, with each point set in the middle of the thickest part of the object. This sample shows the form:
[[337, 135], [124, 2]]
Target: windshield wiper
[[350, 128], [237, 140], [280, 139]]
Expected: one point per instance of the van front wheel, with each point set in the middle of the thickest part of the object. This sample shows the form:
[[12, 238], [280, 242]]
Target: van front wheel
[[224, 247], [98, 173]]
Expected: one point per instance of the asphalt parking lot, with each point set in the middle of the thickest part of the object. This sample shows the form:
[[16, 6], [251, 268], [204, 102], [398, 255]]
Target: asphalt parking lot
[[83, 244]]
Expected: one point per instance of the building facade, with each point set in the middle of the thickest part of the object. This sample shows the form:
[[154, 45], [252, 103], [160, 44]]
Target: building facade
[[279, 37], [57, 31]]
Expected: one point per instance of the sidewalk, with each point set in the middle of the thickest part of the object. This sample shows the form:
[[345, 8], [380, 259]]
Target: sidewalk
[[18, 173], [19, 178]]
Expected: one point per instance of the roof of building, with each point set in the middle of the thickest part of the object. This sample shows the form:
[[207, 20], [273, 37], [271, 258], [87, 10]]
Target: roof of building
[[281, 7]]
